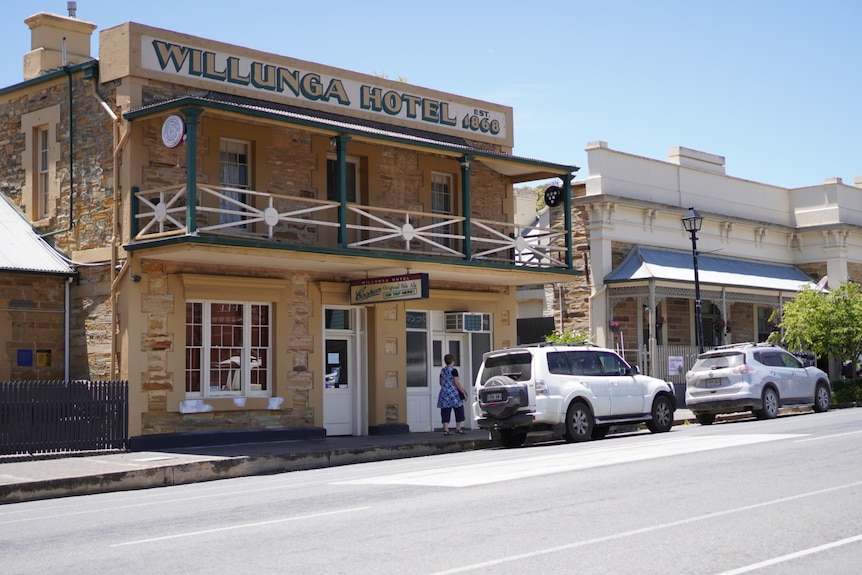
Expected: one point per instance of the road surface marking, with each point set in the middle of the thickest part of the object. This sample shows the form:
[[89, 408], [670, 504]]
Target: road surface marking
[[483, 566], [562, 461], [819, 437], [234, 527], [792, 556]]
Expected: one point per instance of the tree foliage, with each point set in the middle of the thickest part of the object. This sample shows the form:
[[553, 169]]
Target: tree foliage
[[827, 324], [568, 337], [539, 192]]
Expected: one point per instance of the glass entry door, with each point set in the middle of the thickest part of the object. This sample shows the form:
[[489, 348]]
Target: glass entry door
[[337, 404]]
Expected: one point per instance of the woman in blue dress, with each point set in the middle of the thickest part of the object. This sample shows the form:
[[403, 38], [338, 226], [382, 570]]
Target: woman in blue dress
[[452, 396]]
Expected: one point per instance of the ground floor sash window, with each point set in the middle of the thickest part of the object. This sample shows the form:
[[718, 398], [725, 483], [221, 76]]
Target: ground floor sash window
[[228, 348]]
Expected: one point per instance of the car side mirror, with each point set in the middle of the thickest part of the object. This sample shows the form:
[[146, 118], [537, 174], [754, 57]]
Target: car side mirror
[[635, 370]]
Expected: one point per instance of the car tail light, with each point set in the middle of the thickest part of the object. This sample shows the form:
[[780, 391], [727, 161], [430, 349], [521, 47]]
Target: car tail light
[[541, 387], [743, 369]]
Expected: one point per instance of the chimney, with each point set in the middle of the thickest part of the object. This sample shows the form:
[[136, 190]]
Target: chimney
[[56, 41], [688, 158]]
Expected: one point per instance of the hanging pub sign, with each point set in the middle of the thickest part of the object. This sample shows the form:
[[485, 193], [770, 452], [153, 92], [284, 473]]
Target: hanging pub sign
[[392, 288]]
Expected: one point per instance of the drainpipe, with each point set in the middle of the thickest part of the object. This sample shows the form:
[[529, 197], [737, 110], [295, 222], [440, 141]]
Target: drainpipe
[[119, 142], [67, 345], [465, 206], [71, 148]]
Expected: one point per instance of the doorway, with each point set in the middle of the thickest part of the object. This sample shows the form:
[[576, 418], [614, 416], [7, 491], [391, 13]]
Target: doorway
[[457, 345], [344, 397], [425, 352]]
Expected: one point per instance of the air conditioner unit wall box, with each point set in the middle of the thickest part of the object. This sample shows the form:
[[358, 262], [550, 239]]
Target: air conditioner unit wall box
[[463, 321]]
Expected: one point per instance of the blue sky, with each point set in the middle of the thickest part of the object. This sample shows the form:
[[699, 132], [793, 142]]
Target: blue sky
[[772, 85]]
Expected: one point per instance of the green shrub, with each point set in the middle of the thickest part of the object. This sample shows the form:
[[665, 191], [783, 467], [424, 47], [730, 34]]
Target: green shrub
[[846, 390]]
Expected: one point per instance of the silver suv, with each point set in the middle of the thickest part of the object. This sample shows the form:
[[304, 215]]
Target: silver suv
[[574, 391], [760, 377]]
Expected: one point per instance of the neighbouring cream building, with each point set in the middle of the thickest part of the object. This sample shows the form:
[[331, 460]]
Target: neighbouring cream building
[[260, 242], [758, 246]]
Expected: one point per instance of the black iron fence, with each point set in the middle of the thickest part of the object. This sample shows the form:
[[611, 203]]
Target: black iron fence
[[63, 416]]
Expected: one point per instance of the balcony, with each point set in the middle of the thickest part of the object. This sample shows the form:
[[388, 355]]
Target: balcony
[[312, 224]]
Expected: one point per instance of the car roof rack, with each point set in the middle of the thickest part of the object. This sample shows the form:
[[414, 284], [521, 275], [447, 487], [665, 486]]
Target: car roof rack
[[744, 344], [557, 344]]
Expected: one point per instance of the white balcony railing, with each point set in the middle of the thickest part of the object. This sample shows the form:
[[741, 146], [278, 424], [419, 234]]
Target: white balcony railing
[[310, 222]]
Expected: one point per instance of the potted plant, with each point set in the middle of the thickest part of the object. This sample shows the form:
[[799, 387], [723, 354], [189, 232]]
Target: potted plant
[[615, 326]]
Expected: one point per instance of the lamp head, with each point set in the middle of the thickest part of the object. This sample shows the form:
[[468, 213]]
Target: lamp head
[[692, 220]]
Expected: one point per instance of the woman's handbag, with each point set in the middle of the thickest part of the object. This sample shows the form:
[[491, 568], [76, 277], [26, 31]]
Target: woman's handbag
[[462, 395]]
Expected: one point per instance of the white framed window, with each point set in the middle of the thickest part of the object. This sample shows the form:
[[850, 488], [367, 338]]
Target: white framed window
[[42, 171], [228, 348], [235, 172]]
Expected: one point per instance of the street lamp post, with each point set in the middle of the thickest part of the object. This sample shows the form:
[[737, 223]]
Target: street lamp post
[[693, 221]]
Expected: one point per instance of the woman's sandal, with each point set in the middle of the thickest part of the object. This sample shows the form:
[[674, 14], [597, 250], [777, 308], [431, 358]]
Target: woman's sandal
[[446, 433], [460, 432]]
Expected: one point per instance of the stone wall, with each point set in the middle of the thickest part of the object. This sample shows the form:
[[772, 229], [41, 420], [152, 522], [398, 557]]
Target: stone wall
[[92, 324], [575, 289], [91, 173], [32, 320]]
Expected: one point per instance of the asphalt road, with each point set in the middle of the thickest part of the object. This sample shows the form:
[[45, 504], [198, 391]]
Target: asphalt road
[[765, 497]]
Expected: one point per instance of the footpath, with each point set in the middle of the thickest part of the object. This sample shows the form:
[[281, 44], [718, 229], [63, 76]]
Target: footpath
[[26, 478]]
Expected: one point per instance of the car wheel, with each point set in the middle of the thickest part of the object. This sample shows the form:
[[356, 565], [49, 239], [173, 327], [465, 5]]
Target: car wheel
[[770, 405], [600, 431], [513, 437], [705, 418], [662, 415], [821, 398], [579, 422]]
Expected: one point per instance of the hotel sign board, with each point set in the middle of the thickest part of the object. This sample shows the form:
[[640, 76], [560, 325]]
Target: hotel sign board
[[295, 82], [392, 288]]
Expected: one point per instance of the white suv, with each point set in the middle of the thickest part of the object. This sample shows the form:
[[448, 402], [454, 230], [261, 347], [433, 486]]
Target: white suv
[[760, 377], [574, 391]]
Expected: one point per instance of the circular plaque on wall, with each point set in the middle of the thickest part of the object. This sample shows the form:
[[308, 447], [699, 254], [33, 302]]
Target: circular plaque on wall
[[173, 131]]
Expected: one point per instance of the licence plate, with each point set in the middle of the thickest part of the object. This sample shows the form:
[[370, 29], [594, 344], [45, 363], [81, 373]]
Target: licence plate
[[493, 397], [713, 382]]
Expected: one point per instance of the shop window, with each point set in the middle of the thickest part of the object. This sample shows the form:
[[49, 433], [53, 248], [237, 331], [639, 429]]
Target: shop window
[[228, 348]]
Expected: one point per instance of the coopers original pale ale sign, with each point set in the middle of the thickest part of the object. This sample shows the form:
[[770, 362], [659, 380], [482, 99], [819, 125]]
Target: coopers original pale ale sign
[[392, 288]]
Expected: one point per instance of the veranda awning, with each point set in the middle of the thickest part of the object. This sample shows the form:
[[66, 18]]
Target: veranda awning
[[644, 262]]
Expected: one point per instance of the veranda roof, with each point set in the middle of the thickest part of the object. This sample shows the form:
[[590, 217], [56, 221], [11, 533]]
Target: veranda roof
[[644, 262]]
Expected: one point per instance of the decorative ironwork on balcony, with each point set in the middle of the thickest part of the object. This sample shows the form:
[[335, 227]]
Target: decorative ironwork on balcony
[[313, 223]]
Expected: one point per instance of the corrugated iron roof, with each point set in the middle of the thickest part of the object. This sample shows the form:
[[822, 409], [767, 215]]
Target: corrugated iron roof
[[22, 249], [644, 262], [504, 163]]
